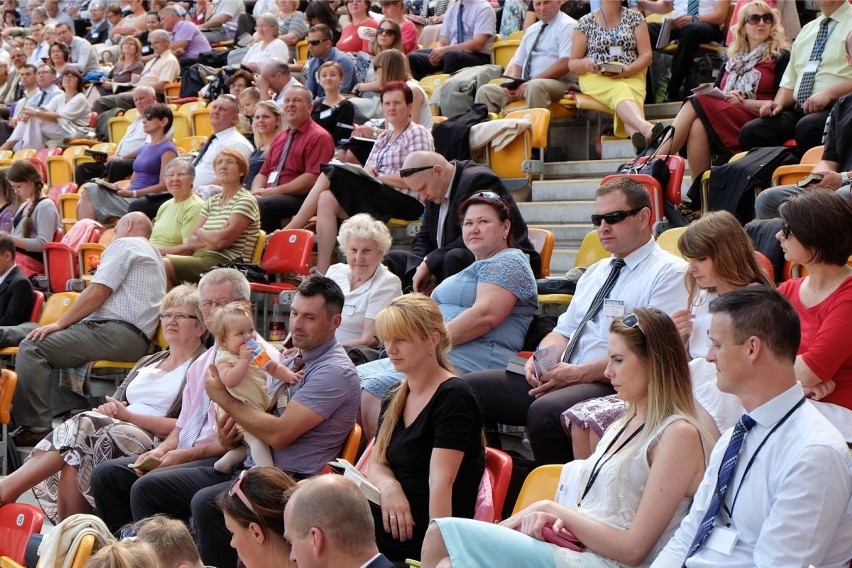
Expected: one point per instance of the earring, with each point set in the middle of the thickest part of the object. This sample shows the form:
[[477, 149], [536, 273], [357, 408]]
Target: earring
[[505, 237]]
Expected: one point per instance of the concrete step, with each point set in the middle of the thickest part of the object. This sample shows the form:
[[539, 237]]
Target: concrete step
[[568, 235], [582, 168], [662, 111], [562, 260], [565, 190], [556, 212]]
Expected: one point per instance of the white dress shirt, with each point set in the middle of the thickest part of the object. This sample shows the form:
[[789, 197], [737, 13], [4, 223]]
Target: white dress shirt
[[650, 277], [793, 508], [555, 43], [134, 138], [228, 138]]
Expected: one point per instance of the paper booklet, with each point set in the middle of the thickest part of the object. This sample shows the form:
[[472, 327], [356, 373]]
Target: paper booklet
[[345, 468], [709, 90], [665, 34], [355, 169]]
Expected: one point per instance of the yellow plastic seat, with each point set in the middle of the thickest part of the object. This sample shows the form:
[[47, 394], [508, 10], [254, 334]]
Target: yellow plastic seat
[[108, 147], [171, 91], [518, 35], [181, 126], [349, 452], [302, 50], [68, 209], [117, 127], [589, 253], [8, 382], [187, 108], [540, 484], [59, 170], [668, 240], [191, 143], [259, 245], [131, 114], [789, 175], [430, 83], [502, 52], [200, 119], [56, 305], [23, 154], [6, 154]]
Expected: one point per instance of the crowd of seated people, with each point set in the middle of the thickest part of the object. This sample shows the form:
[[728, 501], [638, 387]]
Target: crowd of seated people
[[655, 359]]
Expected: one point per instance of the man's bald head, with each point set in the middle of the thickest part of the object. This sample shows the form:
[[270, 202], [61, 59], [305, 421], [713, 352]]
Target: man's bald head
[[429, 174], [134, 224]]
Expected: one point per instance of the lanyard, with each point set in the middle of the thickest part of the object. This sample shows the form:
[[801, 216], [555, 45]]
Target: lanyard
[[730, 512], [596, 469], [613, 32], [820, 47]]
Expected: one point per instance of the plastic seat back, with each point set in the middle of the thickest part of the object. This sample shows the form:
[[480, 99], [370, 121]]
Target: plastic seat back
[[84, 551], [288, 252], [59, 170], [503, 51], [60, 265], [131, 114], [543, 242], [182, 127], [259, 245], [201, 122], [652, 186], [8, 381], [349, 452], [668, 240], [57, 305], [499, 466], [590, 251], [55, 191], [118, 126], [23, 154], [540, 120], [17, 522], [540, 484], [38, 304], [765, 263]]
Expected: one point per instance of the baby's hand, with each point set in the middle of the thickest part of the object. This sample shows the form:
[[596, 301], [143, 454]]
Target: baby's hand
[[246, 352], [293, 378]]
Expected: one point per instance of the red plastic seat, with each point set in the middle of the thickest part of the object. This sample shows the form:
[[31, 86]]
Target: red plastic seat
[[38, 304], [653, 188], [499, 467], [57, 190], [60, 266], [17, 522]]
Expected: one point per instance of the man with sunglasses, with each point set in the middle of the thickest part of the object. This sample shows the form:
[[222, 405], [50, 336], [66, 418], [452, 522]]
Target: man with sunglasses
[[438, 250], [321, 50], [833, 172], [638, 274]]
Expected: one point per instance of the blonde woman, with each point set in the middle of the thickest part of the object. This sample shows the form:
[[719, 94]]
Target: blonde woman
[[266, 123], [757, 58], [633, 491], [428, 457]]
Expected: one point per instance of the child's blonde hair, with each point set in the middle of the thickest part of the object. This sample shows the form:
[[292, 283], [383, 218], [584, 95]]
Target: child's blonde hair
[[226, 316]]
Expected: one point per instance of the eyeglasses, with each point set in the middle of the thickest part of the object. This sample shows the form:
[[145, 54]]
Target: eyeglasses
[[386, 31], [225, 161], [615, 217], [316, 42], [235, 490], [176, 174], [631, 321], [489, 195], [405, 172], [754, 19], [207, 304], [177, 317], [786, 230]]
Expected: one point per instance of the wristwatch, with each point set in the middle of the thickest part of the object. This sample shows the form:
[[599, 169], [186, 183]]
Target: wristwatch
[[845, 179], [134, 194]]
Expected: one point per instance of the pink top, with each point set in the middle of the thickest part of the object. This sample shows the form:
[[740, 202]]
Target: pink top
[[349, 40], [825, 345]]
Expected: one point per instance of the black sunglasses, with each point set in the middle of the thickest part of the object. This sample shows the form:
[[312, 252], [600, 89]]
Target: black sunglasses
[[405, 172], [316, 41], [786, 230], [614, 217], [386, 31], [754, 19]]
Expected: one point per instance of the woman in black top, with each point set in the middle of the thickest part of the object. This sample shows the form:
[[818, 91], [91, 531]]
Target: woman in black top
[[428, 457], [334, 109]]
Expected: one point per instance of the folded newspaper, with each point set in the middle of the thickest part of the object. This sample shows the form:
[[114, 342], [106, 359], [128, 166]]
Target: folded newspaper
[[345, 468]]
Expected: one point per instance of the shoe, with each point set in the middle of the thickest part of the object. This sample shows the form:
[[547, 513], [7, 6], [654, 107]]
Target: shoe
[[26, 436], [639, 142], [657, 130]]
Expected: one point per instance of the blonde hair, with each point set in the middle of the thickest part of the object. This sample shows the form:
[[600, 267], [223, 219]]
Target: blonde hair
[[183, 295], [777, 40], [124, 554], [412, 316], [720, 237], [171, 540], [223, 318], [394, 65], [363, 226], [261, 140]]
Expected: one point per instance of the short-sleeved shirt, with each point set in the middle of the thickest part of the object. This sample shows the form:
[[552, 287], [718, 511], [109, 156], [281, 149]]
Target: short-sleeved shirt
[[554, 44], [233, 8], [312, 147], [175, 221], [260, 54], [148, 162], [351, 42], [197, 45], [134, 271], [599, 40], [228, 138], [217, 215], [387, 157], [450, 420], [365, 301], [330, 388], [478, 18], [162, 68], [294, 23], [314, 63]]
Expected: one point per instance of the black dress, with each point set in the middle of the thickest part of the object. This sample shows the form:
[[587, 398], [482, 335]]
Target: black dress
[[330, 116], [450, 420]]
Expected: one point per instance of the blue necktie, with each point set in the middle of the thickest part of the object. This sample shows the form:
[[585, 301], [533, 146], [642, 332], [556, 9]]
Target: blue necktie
[[460, 23], [726, 472], [692, 8]]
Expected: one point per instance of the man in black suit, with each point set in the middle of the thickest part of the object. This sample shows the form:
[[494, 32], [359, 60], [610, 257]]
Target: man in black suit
[[438, 250], [99, 32], [16, 291], [329, 525]]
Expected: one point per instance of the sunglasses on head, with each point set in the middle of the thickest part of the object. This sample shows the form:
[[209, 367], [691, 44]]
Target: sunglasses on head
[[235, 490], [489, 195], [405, 172], [614, 217], [754, 19], [786, 230], [631, 321]]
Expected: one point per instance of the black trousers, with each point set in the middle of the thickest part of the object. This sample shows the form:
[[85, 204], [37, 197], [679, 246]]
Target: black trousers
[[452, 62], [114, 171], [689, 37], [149, 204], [276, 208], [181, 491], [504, 399], [807, 129], [400, 263]]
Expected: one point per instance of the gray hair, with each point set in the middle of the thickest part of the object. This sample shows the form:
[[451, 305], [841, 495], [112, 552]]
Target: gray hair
[[362, 226], [184, 161], [146, 89], [242, 288], [169, 10], [158, 34], [268, 18]]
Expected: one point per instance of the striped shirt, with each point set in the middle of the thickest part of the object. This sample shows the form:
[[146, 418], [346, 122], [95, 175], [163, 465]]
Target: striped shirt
[[217, 215]]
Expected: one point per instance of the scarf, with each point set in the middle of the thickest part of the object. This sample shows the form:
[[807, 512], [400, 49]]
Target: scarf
[[742, 75]]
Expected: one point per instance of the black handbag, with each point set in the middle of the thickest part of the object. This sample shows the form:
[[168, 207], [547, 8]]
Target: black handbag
[[252, 272], [648, 163]]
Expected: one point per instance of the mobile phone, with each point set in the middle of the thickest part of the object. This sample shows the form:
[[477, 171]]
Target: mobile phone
[[512, 83]]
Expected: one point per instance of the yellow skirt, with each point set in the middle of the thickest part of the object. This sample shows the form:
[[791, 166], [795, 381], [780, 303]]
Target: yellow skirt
[[610, 91]]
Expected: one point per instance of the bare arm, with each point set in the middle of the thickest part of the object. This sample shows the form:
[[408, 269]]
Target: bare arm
[[443, 468], [492, 306], [368, 335], [223, 238]]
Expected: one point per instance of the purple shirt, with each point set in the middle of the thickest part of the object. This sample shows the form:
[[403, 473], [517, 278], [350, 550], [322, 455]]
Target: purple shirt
[[197, 45], [148, 162]]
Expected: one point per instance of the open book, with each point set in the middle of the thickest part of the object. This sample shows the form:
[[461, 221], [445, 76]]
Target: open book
[[355, 169], [345, 468], [665, 33], [709, 90]]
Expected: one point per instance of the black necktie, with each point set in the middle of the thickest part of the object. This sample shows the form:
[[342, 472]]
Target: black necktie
[[615, 268], [528, 62], [41, 100], [204, 150]]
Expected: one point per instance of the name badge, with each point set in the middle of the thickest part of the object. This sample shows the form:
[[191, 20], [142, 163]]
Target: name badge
[[348, 309], [613, 308], [283, 399], [722, 540], [615, 50], [273, 177], [812, 67], [325, 114]]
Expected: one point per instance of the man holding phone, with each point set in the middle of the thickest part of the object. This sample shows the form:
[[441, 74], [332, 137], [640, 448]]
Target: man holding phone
[[538, 73]]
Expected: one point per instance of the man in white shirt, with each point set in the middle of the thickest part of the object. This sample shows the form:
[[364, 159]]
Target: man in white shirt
[[82, 53], [274, 80], [639, 274], [223, 117], [163, 68], [694, 22], [120, 165], [778, 488], [222, 25], [541, 62]]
